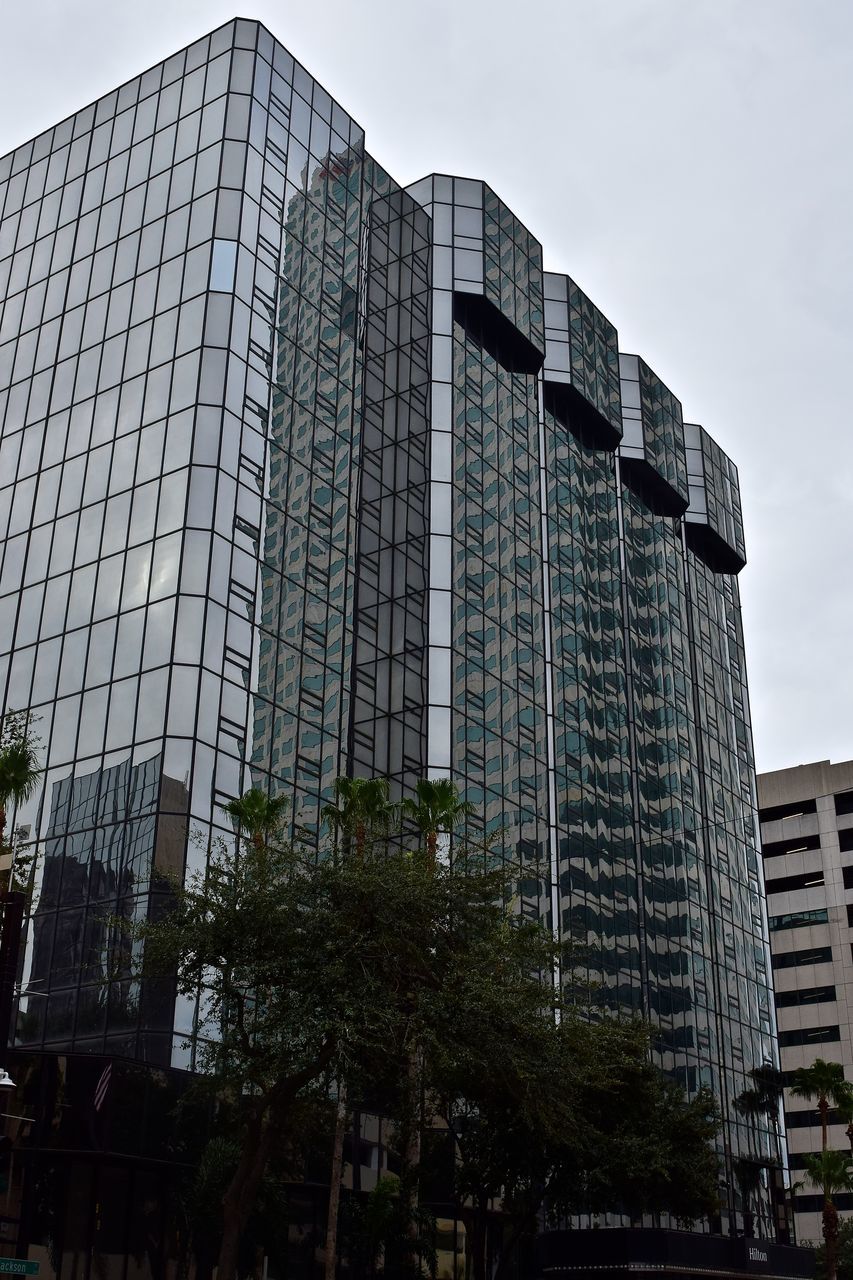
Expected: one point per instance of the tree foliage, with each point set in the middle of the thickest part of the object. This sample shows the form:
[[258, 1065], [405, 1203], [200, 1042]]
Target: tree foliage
[[577, 1120], [844, 1250], [371, 966], [377, 1231], [307, 969], [823, 1082], [831, 1171]]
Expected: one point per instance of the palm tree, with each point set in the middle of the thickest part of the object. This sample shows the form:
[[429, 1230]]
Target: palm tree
[[832, 1172], [436, 811], [259, 815], [19, 769], [825, 1082], [361, 811]]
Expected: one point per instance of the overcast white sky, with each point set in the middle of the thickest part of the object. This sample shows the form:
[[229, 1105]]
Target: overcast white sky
[[688, 162]]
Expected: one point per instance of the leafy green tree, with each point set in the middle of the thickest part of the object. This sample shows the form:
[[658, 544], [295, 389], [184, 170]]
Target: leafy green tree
[[824, 1083], [498, 1073], [653, 1148], [308, 969], [377, 1229], [235, 935], [844, 1253], [202, 1205], [572, 1118], [516, 1127], [831, 1171]]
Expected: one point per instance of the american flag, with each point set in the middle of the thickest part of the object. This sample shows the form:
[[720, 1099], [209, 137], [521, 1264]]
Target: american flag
[[103, 1085]]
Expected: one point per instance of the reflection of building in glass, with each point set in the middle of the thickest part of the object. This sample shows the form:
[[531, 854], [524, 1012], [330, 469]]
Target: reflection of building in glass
[[104, 853], [302, 473], [308, 554]]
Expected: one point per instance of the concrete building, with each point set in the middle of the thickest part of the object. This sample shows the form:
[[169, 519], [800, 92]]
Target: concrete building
[[806, 818]]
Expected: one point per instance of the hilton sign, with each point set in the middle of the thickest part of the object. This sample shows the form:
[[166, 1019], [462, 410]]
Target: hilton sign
[[757, 1255]]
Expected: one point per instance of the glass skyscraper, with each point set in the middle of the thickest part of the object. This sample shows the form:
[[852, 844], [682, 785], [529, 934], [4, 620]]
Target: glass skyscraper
[[303, 473]]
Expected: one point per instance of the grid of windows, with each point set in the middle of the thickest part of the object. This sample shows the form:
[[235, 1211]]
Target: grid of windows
[[582, 344], [714, 523], [581, 384], [180, 393], [593, 808], [498, 739], [486, 720], [286, 491], [802, 825], [668, 800], [742, 973], [653, 453], [390, 694]]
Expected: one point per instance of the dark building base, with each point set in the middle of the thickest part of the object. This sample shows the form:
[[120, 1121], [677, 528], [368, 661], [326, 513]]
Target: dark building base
[[623, 1252]]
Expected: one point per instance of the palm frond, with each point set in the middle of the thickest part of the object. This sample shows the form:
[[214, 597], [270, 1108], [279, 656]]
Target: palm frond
[[19, 771]]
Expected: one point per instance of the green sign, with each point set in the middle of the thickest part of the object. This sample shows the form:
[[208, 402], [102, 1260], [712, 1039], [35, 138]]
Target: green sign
[[18, 1267]]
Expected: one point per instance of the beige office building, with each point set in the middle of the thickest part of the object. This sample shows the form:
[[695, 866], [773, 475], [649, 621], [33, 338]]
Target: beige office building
[[807, 841]]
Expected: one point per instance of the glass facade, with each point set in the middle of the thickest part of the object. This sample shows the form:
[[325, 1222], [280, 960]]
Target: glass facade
[[303, 473]]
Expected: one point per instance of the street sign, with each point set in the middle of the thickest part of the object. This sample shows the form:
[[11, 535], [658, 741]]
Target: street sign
[[18, 1267]]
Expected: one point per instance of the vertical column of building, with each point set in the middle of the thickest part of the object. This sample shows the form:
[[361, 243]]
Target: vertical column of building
[[108, 223], [715, 555], [313, 192], [594, 866], [180, 376], [677, 946], [435, 194], [487, 724], [390, 682]]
